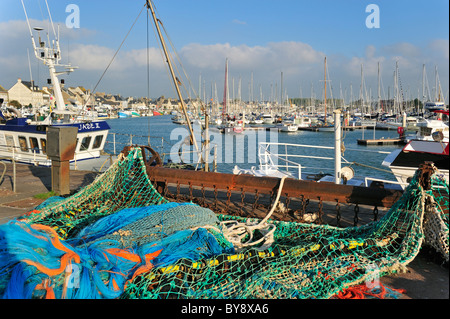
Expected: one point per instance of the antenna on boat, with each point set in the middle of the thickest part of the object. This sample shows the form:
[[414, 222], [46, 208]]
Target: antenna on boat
[[50, 56]]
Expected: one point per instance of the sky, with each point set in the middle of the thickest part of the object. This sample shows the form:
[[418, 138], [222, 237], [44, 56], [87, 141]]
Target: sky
[[280, 44]]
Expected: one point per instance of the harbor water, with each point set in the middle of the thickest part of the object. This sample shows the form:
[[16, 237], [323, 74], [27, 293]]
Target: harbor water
[[166, 138]]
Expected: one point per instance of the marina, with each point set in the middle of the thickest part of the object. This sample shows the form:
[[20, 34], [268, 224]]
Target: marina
[[269, 199]]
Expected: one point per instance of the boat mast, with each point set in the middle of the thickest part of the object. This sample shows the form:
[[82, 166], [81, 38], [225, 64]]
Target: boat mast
[[325, 67], [225, 91], [172, 73], [379, 90]]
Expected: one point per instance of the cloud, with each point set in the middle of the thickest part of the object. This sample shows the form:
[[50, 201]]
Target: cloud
[[301, 64], [368, 63], [440, 48], [409, 57], [236, 21], [276, 56], [402, 49]]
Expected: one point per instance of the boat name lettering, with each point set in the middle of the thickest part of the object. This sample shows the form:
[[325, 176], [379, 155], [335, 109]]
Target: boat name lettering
[[89, 126]]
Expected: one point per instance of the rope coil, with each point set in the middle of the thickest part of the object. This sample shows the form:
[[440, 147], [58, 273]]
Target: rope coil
[[235, 232]]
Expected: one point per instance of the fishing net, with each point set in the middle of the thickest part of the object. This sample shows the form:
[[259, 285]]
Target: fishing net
[[119, 238]]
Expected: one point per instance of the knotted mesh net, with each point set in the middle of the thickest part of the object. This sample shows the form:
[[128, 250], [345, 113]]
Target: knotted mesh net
[[119, 238]]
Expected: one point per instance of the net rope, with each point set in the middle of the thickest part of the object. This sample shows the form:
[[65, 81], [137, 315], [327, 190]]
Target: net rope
[[119, 238]]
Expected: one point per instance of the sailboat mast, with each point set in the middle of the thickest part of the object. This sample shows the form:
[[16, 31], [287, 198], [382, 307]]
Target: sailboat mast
[[172, 73], [325, 67], [225, 91], [423, 86], [379, 89]]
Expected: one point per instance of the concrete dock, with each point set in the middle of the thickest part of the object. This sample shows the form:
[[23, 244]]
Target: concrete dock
[[426, 278]]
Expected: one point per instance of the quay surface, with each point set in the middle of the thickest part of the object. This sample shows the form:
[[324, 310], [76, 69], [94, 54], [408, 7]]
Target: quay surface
[[426, 277]]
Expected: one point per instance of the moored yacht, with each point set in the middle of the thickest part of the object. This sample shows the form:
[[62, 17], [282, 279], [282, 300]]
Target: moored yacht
[[430, 144], [267, 118], [287, 126], [405, 162]]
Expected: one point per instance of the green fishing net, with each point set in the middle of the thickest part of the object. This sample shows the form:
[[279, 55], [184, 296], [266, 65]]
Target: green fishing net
[[302, 261]]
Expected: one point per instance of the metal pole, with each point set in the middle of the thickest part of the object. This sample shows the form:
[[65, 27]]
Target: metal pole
[[174, 78], [337, 146], [206, 147], [114, 143], [14, 170]]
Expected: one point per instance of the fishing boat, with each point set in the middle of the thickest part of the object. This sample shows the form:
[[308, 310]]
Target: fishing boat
[[26, 139], [124, 114]]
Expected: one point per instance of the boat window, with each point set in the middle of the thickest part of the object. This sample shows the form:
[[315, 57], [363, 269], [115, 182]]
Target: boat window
[[23, 144], [44, 145], [426, 131], [97, 142], [34, 145], [9, 140], [85, 143]]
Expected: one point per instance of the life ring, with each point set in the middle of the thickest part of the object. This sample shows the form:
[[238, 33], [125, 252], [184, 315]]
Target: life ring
[[400, 130]]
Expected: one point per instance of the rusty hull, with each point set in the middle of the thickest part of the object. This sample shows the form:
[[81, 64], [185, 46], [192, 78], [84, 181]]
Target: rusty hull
[[292, 188]]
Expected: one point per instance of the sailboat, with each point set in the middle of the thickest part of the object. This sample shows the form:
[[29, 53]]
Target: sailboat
[[227, 126], [325, 127], [26, 139], [437, 105]]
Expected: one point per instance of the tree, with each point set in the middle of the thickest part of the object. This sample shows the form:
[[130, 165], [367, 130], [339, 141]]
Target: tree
[[417, 103], [15, 104]]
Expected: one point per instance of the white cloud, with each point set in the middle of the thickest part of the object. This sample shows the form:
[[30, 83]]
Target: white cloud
[[300, 63], [236, 21], [276, 55], [440, 48]]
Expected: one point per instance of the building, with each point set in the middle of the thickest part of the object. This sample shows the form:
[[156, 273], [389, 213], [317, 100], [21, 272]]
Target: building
[[3, 95], [81, 96], [26, 93]]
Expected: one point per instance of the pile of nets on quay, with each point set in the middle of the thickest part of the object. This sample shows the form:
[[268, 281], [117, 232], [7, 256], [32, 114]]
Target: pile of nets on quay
[[119, 238]]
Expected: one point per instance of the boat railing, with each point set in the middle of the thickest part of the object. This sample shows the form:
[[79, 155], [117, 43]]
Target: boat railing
[[11, 157], [16, 154], [285, 157], [269, 159], [34, 158]]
